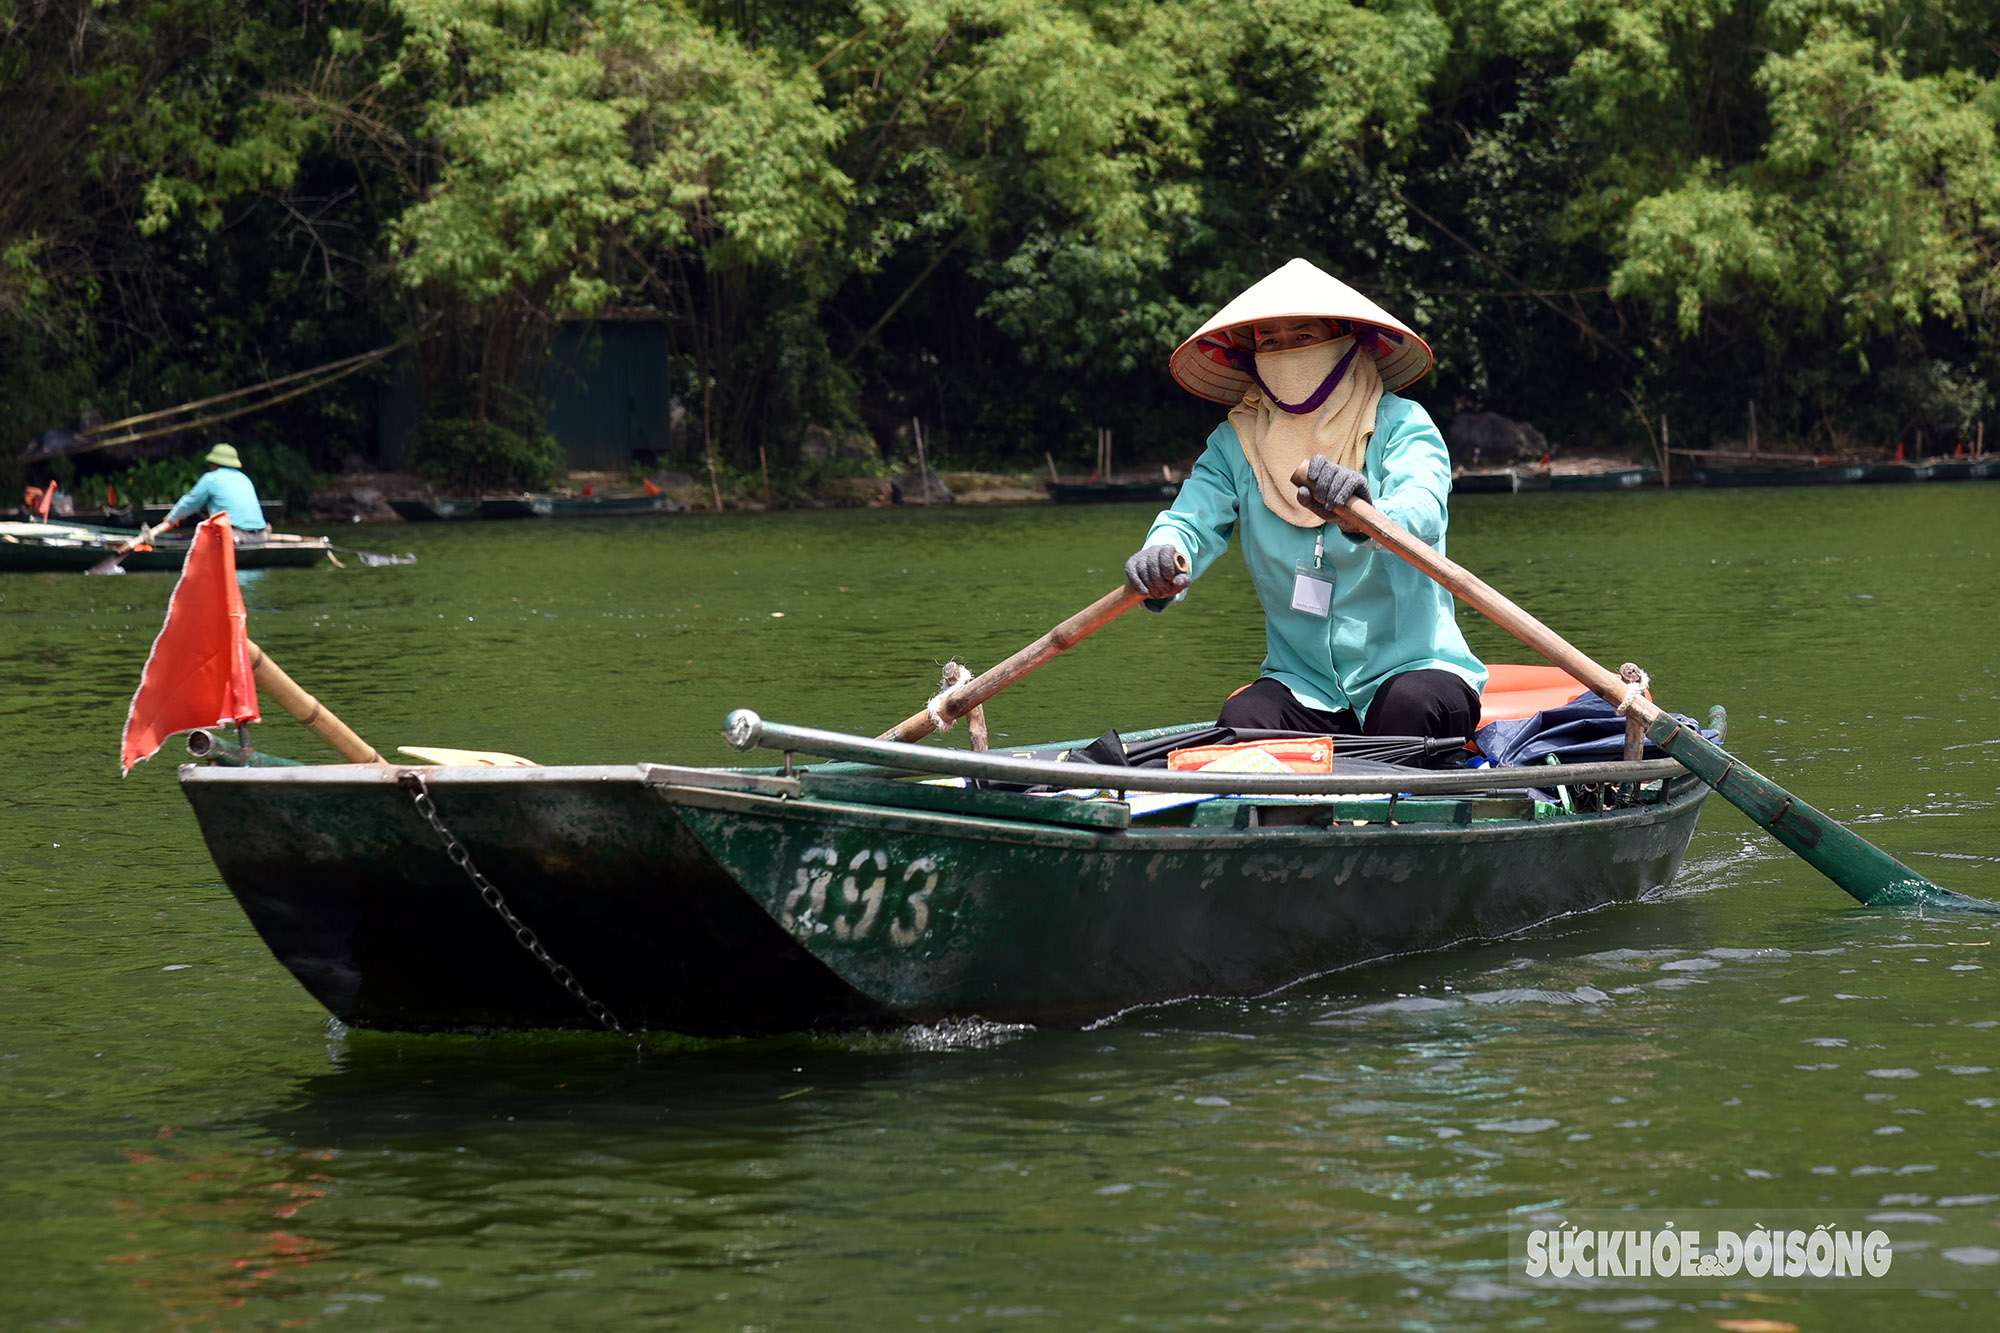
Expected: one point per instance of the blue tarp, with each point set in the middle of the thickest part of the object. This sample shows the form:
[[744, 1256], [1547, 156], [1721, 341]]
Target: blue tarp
[[1584, 730]]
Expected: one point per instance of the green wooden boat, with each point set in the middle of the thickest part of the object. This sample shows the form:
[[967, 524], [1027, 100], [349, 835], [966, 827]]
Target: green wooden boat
[[544, 504], [1807, 474], [604, 506], [1913, 469], [869, 893], [1964, 469], [1604, 479], [57, 548], [1113, 492]]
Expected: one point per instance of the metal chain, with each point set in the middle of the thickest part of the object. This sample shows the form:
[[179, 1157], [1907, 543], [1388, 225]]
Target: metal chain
[[413, 782]]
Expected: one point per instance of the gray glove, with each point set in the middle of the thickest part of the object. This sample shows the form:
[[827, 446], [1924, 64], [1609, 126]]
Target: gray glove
[[1152, 571], [1329, 484]]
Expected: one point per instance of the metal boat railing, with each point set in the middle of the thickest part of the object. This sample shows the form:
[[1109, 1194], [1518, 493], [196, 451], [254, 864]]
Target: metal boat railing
[[745, 730]]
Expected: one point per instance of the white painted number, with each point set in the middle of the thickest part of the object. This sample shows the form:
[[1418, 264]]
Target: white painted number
[[810, 884], [851, 890], [918, 902], [857, 913]]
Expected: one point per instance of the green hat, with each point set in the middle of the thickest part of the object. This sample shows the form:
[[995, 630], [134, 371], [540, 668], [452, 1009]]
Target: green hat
[[225, 454]]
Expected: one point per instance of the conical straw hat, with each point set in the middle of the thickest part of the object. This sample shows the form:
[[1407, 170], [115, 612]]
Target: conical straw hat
[[1202, 367]]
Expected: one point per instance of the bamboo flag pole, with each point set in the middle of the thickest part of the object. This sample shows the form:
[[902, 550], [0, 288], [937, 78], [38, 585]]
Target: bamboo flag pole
[[274, 682]]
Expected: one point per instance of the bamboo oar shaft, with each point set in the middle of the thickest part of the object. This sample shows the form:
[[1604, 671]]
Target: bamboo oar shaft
[[272, 679], [1481, 597], [962, 699]]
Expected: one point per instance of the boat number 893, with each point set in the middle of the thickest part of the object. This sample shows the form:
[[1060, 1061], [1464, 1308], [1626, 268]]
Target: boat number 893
[[857, 907]]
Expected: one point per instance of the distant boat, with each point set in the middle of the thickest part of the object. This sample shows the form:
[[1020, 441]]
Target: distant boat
[[1586, 476], [1111, 492], [527, 504], [1898, 470], [1810, 474], [1964, 469], [1603, 479], [71, 548], [524, 505], [603, 506]]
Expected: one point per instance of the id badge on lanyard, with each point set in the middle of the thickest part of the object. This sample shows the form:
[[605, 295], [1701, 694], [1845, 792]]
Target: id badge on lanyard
[[1312, 585]]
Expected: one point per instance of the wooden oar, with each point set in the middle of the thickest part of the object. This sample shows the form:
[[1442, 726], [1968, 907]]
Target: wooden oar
[[1864, 870], [962, 699], [115, 562]]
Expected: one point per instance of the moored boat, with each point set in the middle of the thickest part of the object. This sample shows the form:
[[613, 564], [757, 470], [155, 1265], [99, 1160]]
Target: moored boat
[[1964, 469], [1807, 474], [525, 505], [1898, 469], [1112, 492], [604, 506], [717, 901], [1602, 478], [528, 504], [74, 547]]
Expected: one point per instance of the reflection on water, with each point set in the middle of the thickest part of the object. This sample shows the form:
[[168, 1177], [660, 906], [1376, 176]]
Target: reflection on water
[[188, 1143]]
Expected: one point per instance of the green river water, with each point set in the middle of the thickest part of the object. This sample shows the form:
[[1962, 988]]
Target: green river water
[[186, 1140]]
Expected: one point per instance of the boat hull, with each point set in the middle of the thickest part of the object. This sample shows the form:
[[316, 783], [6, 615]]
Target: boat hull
[[1825, 474], [68, 549], [1122, 492], [715, 905], [356, 895], [1607, 479], [938, 916]]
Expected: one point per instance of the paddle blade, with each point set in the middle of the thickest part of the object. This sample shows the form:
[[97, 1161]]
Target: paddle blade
[[110, 564], [438, 754], [1870, 875]]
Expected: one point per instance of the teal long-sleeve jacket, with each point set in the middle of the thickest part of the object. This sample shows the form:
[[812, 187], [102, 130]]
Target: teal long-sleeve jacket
[[222, 490], [1386, 617]]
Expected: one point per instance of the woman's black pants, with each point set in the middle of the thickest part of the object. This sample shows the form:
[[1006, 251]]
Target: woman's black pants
[[1431, 704]]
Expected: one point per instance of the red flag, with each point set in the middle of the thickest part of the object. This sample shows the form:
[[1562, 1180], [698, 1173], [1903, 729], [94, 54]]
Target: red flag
[[199, 672], [652, 487]]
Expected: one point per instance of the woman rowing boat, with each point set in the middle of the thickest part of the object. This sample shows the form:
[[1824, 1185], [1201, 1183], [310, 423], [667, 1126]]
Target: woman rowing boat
[[1355, 639]]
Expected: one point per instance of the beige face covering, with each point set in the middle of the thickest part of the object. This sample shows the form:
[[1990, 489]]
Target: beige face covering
[[1276, 441]]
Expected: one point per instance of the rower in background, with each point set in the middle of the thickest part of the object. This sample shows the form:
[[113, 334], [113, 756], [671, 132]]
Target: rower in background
[[225, 489]]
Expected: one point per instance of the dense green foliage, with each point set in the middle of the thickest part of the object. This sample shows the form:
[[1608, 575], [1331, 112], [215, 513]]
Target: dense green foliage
[[999, 215]]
